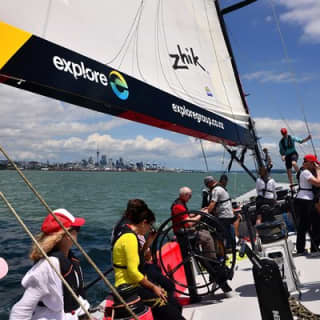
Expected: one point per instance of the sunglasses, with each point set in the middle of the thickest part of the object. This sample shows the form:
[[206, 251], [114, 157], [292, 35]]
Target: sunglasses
[[75, 229]]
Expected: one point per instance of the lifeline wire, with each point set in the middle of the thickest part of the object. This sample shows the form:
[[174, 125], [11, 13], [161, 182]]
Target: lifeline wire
[[75, 242], [26, 229], [204, 155], [285, 52]]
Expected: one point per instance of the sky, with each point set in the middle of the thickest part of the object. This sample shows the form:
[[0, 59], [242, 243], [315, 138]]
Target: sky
[[280, 73]]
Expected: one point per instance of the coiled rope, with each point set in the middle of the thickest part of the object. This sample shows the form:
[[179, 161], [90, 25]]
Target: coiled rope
[[300, 312]]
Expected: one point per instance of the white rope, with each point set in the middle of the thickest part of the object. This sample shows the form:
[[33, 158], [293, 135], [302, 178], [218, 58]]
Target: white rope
[[75, 242], [286, 55]]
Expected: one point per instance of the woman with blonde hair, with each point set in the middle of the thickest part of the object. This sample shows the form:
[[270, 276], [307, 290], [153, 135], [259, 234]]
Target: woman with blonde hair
[[45, 296]]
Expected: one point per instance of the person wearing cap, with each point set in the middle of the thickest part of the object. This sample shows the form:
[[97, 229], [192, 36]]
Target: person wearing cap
[[209, 183], [308, 176], [288, 151], [45, 297]]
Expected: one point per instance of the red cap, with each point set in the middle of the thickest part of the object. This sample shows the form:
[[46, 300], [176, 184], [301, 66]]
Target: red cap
[[284, 131], [50, 225], [311, 158]]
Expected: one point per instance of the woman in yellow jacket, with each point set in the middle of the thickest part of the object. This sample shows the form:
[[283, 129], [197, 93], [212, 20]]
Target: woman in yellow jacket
[[128, 263]]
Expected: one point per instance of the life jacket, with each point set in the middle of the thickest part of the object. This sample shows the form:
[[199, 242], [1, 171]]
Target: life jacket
[[206, 197], [72, 273], [313, 189], [265, 189], [179, 201], [221, 201], [289, 143], [126, 229]]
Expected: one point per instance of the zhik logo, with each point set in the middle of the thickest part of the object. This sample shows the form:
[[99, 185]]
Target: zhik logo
[[79, 70], [182, 60], [119, 85]]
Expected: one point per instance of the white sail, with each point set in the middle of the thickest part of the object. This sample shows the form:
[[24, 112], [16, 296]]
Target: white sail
[[174, 46], [144, 39]]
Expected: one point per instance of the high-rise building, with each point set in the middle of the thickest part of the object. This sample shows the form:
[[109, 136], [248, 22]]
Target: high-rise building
[[103, 160]]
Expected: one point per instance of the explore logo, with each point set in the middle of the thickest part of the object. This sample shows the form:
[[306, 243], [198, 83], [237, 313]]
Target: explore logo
[[79, 70], [119, 85]]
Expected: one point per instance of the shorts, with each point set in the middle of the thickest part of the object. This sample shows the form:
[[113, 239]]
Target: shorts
[[291, 157]]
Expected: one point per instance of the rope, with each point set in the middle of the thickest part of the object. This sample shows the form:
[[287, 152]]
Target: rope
[[204, 155], [44, 254], [45, 27], [300, 146], [286, 55], [75, 242], [300, 311]]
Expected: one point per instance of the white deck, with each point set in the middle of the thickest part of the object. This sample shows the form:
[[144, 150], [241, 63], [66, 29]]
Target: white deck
[[244, 303]]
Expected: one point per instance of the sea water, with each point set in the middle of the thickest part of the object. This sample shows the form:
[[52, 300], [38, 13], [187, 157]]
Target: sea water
[[99, 197]]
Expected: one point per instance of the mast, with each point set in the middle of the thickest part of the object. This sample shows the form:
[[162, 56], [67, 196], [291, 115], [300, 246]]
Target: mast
[[251, 127]]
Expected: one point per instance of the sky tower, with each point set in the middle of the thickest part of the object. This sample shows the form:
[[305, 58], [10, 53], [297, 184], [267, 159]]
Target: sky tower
[[98, 153]]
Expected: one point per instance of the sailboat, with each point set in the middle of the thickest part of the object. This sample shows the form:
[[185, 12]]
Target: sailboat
[[167, 64]]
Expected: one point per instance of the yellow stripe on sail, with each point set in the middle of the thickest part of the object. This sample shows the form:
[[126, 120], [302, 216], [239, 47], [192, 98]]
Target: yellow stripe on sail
[[11, 40]]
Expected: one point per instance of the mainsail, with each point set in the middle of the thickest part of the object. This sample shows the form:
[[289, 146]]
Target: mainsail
[[164, 63]]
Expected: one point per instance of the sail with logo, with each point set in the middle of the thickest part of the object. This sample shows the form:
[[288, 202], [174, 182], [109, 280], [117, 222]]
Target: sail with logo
[[162, 63]]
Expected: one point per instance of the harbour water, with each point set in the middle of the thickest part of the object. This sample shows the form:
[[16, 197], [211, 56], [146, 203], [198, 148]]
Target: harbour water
[[99, 197]]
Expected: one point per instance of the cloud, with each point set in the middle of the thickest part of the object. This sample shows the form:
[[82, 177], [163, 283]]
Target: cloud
[[269, 130], [304, 13], [277, 77], [268, 19]]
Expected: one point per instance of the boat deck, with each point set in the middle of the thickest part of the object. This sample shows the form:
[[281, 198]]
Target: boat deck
[[244, 303]]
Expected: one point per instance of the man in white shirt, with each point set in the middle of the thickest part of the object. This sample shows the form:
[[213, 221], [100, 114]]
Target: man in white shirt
[[221, 206], [266, 193], [304, 206]]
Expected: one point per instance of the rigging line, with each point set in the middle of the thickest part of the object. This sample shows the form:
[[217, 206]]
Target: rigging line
[[192, 98], [133, 35], [161, 19], [27, 230], [204, 155], [75, 242], [127, 36], [218, 64], [285, 52], [223, 158], [291, 130], [158, 31], [137, 46], [45, 27]]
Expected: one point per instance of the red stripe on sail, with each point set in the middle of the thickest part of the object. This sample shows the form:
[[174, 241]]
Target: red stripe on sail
[[138, 117]]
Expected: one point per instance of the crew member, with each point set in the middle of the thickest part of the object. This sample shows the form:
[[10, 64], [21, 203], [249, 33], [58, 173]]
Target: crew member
[[304, 204], [266, 194], [151, 269], [209, 183], [267, 160], [221, 207], [180, 213], [288, 151], [128, 263], [45, 296]]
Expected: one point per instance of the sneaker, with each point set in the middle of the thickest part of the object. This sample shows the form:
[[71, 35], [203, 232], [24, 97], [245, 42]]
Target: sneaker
[[303, 253], [225, 287]]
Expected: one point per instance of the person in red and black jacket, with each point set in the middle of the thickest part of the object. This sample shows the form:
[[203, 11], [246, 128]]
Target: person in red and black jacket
[[180, 213]]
